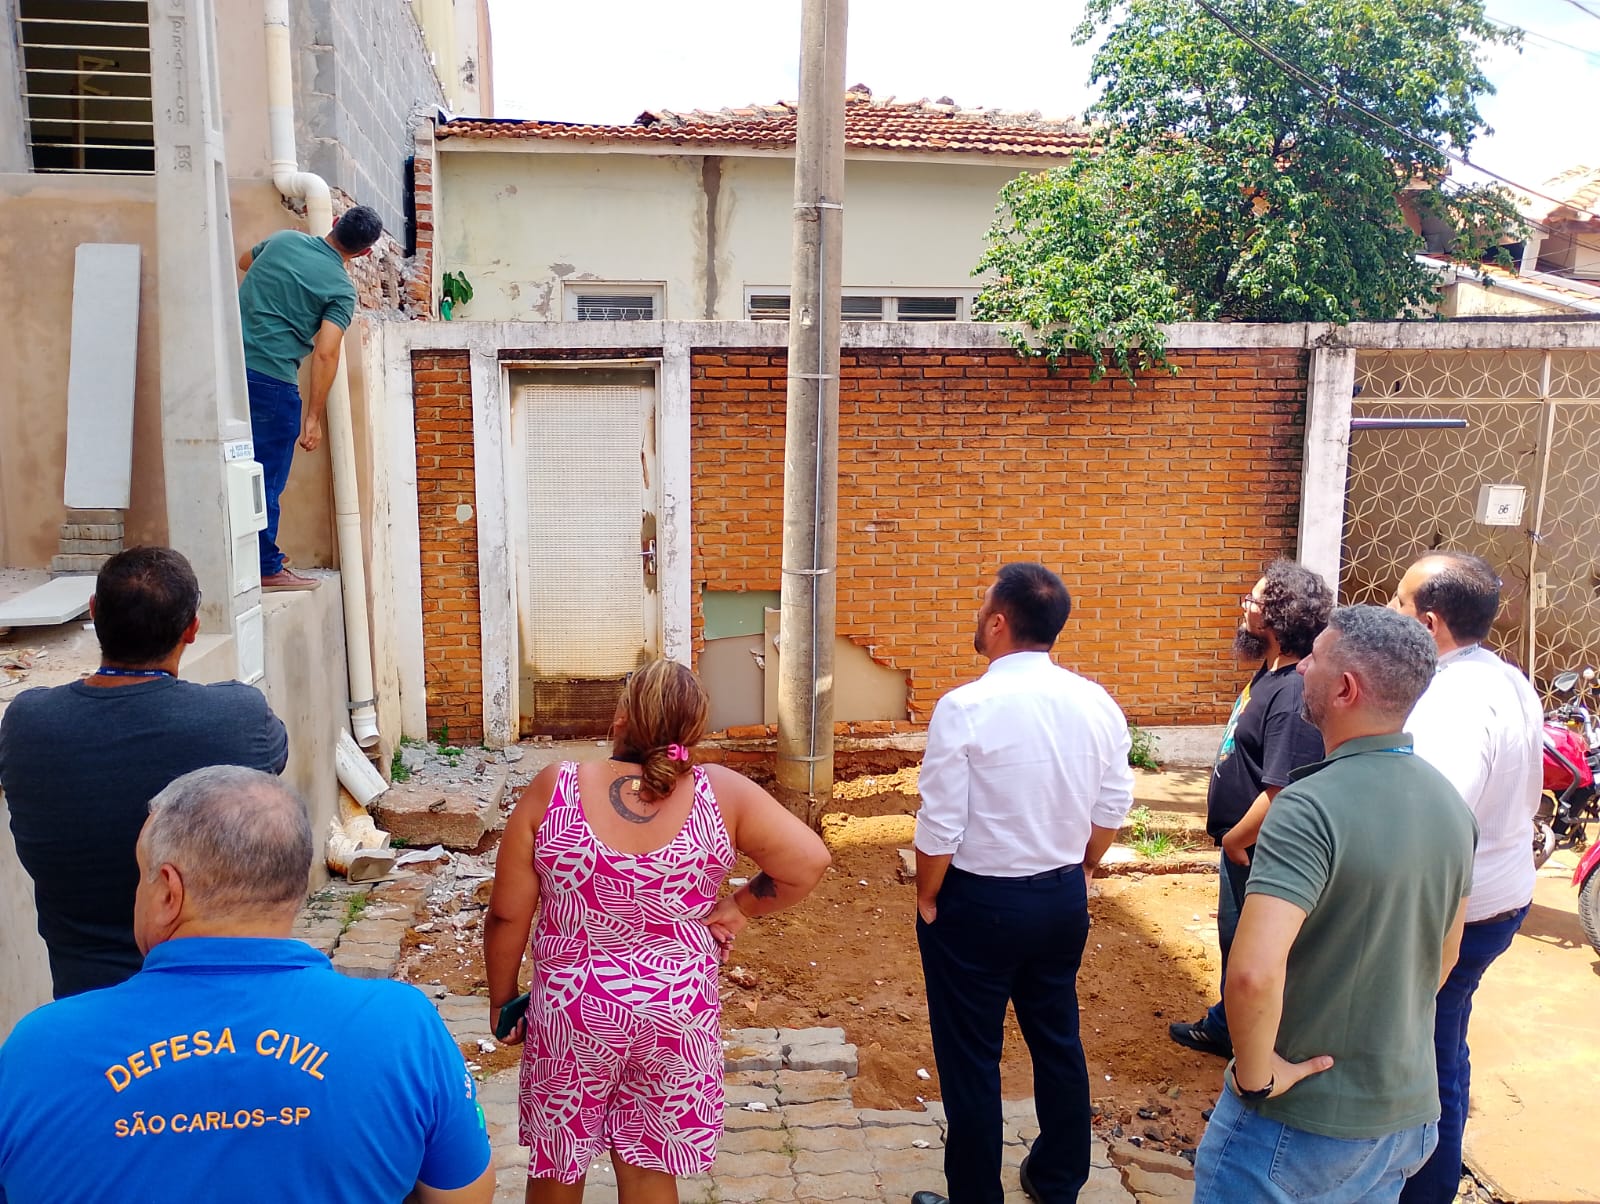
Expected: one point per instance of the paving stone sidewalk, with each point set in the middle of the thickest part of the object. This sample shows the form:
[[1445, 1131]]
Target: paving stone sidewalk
[[792, 1131]]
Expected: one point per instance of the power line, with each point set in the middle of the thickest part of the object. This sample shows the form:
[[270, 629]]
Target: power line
[[1585, 9], [1543, 37], [1453, 156]]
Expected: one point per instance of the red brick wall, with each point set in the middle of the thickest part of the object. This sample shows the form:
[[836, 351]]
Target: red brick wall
[[1157, 504], [452, 657]]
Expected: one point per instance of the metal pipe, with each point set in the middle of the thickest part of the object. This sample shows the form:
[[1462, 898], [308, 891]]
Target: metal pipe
[[313, 189], [1534, 533], [1407, 424]]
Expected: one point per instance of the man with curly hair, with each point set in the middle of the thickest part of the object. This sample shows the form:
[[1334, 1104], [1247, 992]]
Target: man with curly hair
[[1267, 738]]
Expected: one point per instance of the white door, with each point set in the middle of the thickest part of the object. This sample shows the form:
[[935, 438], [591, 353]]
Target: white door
[[586, 551]]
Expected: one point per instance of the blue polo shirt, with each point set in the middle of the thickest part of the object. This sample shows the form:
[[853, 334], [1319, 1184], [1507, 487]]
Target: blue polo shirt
[[241, 1069]]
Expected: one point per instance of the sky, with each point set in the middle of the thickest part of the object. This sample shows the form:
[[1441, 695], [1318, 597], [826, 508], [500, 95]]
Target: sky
[[609, 60]]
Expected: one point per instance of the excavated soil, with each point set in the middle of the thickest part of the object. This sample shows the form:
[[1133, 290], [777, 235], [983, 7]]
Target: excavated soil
[[847, 957]]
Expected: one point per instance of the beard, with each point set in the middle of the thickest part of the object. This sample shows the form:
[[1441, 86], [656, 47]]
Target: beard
[[1248, 646]]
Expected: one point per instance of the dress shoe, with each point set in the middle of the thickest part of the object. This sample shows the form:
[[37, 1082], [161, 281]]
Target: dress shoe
[[1197, 1037], [1027, 1183], [929, 1197]]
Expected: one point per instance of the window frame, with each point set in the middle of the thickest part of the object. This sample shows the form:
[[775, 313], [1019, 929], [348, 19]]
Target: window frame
[[890, 297], [572, 290]]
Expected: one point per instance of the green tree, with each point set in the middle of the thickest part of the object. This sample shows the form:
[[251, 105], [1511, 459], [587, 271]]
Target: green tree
[[1238, 177]]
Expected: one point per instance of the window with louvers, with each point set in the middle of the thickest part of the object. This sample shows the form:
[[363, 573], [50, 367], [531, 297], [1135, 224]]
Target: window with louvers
[[929, 309], [86, 83], [774, 307], [616, 307]]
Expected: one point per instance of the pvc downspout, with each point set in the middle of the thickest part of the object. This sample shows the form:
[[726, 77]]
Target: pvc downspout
[[313, 189]]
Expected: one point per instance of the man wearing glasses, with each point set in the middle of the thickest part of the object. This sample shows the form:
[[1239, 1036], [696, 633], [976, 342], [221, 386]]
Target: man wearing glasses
[[80, 763], [1267, 738]]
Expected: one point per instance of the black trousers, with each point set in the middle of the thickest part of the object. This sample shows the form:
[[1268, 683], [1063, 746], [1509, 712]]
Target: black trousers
[[993, 940]]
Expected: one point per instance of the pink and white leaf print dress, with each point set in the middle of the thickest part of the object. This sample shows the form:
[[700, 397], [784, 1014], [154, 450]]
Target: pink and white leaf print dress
[[624, 1045]]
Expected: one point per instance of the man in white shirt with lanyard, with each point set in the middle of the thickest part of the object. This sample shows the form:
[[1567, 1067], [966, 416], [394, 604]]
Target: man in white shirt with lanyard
[[1024, 785], [1480, 724]]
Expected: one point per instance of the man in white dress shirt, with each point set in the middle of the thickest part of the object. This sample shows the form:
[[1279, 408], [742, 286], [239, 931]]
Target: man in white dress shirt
[[1024, 785], [1480, 724]]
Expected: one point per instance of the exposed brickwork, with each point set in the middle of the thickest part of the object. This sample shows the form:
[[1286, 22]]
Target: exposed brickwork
[[419, 287], [1157, 504], [442, 391]]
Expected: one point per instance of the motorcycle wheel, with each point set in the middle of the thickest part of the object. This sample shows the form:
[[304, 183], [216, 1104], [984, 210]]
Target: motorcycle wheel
[[1544, 842], [1589, 908]]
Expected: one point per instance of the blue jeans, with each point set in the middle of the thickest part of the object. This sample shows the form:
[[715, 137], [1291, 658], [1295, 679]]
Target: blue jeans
[[1480, 944], [1231, 879], [274, 425], [1021, 939], [1245, 1157]]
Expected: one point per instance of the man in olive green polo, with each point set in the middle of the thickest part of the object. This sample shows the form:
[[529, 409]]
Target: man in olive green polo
[[295, 300], [1352, 919]]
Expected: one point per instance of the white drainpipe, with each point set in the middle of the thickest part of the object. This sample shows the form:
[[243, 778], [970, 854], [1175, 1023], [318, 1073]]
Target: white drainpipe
[[313, 189]]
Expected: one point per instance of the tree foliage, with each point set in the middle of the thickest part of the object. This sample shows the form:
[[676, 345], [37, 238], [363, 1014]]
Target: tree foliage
[[1226, 186]]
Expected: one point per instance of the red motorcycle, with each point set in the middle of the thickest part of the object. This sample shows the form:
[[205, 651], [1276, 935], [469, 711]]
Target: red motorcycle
[[1571, 793]]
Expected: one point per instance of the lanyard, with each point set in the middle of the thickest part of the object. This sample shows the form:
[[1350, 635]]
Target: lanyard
[[103, 671]]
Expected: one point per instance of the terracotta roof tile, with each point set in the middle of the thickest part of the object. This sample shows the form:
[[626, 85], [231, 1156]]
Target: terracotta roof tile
[[1578, 187], [870, 124]]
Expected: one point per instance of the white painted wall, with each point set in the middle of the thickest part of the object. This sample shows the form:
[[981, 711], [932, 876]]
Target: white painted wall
[[518, 223]]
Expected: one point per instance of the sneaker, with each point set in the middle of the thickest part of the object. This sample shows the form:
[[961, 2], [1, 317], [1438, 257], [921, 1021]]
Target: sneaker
[[288, 579], [1199, 1038], [1027, 1179]]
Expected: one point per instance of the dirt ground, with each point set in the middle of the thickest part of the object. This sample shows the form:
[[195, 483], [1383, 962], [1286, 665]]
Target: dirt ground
[[847, 957]]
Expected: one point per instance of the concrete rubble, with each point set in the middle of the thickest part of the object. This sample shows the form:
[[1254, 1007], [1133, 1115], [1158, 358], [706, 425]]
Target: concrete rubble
[[448, 796]]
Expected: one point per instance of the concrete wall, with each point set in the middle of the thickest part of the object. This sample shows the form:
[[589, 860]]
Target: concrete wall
[[43, 218], [24, 966], [457, 31], [13, 138], [360, 72], [520, 223], [1469, 299]]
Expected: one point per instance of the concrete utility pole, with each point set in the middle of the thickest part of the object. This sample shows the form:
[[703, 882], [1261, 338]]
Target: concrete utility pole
[[811, 432]]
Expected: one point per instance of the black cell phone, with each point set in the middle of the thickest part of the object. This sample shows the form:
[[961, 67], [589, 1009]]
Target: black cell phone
[[509, 1015]]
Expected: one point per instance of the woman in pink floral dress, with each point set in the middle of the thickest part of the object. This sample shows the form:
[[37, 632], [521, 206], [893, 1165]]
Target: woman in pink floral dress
[[623, 860]]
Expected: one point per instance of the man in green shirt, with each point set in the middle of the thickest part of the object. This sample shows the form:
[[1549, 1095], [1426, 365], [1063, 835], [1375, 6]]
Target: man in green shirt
[[1352, 919], [295, 300]]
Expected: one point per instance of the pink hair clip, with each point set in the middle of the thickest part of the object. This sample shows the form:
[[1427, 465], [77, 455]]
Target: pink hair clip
[[677, 752]]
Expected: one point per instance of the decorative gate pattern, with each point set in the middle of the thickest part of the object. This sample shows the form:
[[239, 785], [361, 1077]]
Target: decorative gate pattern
[[1532, 421]]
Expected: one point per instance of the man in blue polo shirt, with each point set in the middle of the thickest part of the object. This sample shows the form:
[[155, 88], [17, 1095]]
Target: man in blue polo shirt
[[236, 1064], [295, 300]]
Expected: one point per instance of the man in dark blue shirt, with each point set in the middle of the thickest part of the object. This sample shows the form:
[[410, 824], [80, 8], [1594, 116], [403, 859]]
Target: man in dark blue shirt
[[80, 763]]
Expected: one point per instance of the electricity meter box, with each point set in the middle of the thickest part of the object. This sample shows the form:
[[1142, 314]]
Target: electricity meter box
[[247, 514], [1500, 505]]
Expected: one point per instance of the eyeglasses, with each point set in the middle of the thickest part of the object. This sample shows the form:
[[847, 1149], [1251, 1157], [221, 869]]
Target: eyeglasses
[[1250, 600]]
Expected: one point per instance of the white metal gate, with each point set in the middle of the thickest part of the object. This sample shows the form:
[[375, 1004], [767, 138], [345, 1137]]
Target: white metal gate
[[586, 563], [1532, 419]]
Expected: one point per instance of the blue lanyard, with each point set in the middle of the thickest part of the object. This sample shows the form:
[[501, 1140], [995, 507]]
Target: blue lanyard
[[1404, 750], [103, 671]]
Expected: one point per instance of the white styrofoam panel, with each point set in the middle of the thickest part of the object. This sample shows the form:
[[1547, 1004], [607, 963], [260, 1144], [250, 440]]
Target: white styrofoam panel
[[48, 604], [105, 336]]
